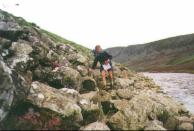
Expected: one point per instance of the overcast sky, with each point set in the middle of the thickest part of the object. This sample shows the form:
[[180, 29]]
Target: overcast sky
[[108, 22]]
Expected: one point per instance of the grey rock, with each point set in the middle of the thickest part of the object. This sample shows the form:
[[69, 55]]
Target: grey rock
[[21, 48], [90, 107], [7, 89], [88, 84], [125, 93], [186, 127], [64, 77], [77, 58], [9, 26], [62, 101], [96, 126], [83, 70], [154, 125], [123, 83]]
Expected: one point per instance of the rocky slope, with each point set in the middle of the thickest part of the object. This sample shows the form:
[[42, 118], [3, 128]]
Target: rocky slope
[[168, 55], [45, 84]]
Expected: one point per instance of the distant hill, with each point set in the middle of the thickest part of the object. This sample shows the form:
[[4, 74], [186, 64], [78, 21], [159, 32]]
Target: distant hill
[[174, 54]]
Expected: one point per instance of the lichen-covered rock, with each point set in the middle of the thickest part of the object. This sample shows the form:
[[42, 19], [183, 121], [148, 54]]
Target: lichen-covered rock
[[62, 101], [125, 93], [22, 85], [51, 55], [21, 48], [121, 71], [186, 127], [96, 126], [13, 88], [91, 96], [96, 74], [118, 122], [91, 112], [123, 83], [70, 93], [82, 70], [21, 55], [66, 49], [90, 107], [182, 119], [9, 26], [88, 84], [104, 96], [64, 77], [5, 44], [174, 122], [142, 108], [7, 89], [154, 125], [77, 58]]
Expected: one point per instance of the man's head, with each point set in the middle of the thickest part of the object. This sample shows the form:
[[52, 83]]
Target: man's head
[[98, 48]]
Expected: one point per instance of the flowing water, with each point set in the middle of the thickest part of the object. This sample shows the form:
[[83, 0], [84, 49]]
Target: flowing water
[[178, 85]]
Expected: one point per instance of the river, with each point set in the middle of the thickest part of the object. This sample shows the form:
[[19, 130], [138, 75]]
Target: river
[[178, 85]]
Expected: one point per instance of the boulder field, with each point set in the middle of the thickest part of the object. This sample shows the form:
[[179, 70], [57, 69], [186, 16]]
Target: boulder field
[[45, 84]]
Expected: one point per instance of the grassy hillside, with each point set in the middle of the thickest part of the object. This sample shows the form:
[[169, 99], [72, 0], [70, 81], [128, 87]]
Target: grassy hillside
[[57, 39], [174, 54]]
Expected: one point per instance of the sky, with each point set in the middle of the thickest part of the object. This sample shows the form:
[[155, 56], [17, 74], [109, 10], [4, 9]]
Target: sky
[[109, 23]]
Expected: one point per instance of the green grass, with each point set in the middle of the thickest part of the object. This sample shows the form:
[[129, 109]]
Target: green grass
[[182, 60], [19, 20], [59, 39]]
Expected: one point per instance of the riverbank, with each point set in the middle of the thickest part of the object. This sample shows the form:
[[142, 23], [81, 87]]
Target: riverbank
[[180, 86]]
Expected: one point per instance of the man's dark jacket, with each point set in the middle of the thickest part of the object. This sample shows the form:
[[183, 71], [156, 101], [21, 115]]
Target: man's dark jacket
[[101, 57]]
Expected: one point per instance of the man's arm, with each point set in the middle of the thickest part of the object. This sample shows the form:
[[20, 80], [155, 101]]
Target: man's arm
[[95, 63]]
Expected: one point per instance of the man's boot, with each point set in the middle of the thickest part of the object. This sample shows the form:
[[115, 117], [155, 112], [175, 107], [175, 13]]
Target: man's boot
[[111, 83]]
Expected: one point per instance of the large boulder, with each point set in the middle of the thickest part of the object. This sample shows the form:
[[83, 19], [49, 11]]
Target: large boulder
[[91, 96], [118, 122], [123, 83], [91, 112], [176, 122], [90, 107], [186, 127], [88, 84], [64, 77], [142, 108], [125, 93], [82, 70], [9, 26], [13, 88], [154, 125], [66, 49], [4, 45], [121, 71], [77, 59], [7, 89], [21, 55], [62, 101], [21, 48]]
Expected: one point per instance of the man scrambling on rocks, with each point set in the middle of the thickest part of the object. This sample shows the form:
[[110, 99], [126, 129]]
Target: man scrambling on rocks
[[105, 63]]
